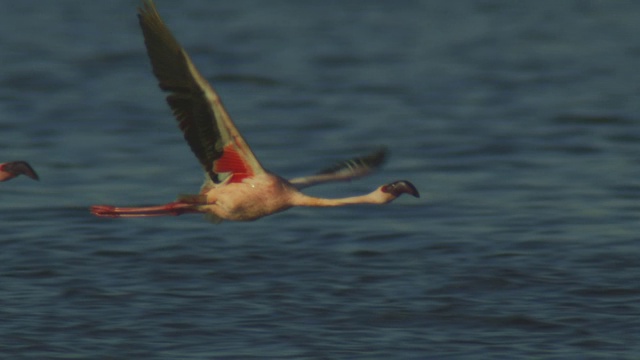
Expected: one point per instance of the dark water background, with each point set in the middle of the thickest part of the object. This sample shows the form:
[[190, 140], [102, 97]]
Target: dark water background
[[518, 121]]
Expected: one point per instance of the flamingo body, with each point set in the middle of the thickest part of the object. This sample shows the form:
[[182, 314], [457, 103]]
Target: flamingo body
[[251, 198], [236, 186]]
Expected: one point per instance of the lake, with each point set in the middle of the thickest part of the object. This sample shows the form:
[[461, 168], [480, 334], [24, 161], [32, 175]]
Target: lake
[[518, 122]]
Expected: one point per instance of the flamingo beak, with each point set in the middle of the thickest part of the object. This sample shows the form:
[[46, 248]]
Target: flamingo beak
[[398, 188]]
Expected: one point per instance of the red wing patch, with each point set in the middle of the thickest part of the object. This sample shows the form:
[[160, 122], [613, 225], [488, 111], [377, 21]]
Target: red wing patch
[[232, 162]]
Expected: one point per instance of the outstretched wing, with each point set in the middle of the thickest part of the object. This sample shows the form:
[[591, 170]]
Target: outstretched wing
[[345, 170], [212, 136]]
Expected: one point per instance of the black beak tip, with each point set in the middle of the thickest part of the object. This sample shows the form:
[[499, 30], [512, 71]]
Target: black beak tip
[[414, 191], [20, 168], [411, 189]]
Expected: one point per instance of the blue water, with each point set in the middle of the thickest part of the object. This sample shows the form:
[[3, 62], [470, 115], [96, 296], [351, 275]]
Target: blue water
[[518, 121]]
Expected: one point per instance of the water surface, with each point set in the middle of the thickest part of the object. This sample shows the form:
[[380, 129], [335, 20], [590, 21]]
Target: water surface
[[518, 123]]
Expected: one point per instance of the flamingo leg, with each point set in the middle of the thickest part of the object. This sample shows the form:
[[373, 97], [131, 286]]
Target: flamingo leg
[[170, 209]]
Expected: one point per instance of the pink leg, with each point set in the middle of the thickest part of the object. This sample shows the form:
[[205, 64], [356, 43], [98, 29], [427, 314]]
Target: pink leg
[[170, 209]]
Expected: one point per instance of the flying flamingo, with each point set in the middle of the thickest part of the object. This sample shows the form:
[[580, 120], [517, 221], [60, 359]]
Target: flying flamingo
[[236, 185], [9, 170]]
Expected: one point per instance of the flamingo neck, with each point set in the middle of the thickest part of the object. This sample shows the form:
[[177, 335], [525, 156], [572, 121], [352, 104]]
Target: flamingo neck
[[375, 197]]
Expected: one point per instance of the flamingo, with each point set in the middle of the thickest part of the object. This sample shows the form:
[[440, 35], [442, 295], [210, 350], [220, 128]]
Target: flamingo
[[9, 170], [236, 187]]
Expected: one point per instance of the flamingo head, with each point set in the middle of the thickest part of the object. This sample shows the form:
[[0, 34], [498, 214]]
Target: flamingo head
[[12, 169], [400, 187]]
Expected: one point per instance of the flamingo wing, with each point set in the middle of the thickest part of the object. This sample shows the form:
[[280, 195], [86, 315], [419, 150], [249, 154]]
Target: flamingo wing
[[345, 170], [207, 128]]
